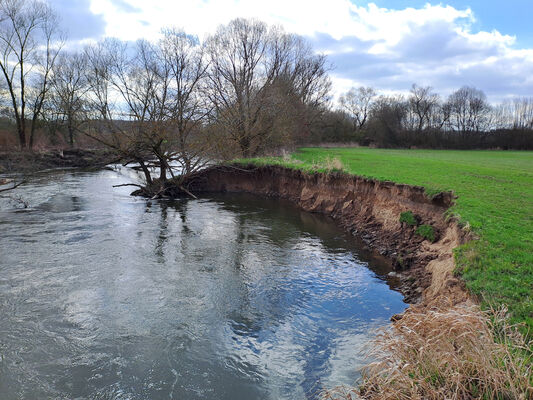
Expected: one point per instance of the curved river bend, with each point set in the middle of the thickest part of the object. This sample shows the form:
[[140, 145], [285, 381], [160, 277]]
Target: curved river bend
[[106, 296]]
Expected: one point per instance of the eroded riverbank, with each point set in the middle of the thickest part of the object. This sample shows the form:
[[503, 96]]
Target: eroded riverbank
[[443, 345], [366, 208]]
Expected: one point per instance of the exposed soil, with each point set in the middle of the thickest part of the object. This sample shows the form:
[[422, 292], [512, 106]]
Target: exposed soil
[[27, 162], [369, 209]]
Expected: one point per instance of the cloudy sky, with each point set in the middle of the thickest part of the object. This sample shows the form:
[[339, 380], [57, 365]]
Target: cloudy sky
[[387, 44]]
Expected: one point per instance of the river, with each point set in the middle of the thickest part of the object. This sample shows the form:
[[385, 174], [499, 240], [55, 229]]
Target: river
[[107, 296]]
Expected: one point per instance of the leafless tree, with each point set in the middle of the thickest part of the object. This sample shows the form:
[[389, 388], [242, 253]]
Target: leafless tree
[[148, 107], [523, 113], [388, 116], [256, 74], [125, 86], [67, 103], [240, 75], [469, 110], [514, 114], [28, 50], [423, 106], [299, 94], [357, 103], [187, 108]]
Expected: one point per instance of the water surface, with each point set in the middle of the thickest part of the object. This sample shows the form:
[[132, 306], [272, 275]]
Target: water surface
[[107, 296]]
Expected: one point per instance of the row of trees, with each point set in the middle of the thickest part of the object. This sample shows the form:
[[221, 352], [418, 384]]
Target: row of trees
[[247, 89], [173, 103], [423, 118], [29, 45]]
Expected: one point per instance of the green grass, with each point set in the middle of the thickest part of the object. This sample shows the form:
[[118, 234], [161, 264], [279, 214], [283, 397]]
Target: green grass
[[495, 199], [427, 232], [408, 218]]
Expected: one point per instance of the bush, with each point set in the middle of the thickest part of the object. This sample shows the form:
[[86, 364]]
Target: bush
[[427, 232], [409, 218]]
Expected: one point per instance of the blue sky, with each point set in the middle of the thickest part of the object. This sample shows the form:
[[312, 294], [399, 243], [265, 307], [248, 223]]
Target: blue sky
[[387, 44], [512, 17]]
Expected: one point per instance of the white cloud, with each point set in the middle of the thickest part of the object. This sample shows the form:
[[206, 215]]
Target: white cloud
[[386, 48]]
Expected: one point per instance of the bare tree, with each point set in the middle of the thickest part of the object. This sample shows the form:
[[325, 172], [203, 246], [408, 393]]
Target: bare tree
[[357, 103], [523, 113], [388, 116], [148, 107], [124, 98], [28, 50], [67, 103], [257, 73], [422, 105], [239, 76], [299, 94], [469, 110], [187, 108], [514, 114]]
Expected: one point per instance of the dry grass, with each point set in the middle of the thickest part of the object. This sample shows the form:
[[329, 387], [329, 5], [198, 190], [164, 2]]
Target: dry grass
[[328, 164], [454, 353]]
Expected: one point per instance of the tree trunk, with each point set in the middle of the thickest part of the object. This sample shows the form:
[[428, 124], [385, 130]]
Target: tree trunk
[[244, 144], [163, 171], [32, 133], [71, 135], [146, 172], [22, 136]]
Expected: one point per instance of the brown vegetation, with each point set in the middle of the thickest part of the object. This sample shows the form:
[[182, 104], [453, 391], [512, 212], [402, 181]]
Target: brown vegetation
[[444, 352], [26, 162]]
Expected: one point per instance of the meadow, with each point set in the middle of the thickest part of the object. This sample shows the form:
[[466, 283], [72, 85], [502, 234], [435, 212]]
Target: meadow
[[494, 192]]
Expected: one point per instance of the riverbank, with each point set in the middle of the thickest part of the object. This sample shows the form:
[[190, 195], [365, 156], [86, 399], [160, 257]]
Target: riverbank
[[494, 202], [368, 209], [24, 162]]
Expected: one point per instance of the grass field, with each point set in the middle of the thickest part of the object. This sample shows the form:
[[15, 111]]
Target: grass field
[[495, 198]]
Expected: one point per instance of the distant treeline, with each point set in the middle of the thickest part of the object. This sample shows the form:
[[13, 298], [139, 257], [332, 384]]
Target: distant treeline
[[465, 120]]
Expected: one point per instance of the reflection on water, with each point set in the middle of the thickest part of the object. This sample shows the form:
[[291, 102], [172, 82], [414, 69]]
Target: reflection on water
[[107, 296]]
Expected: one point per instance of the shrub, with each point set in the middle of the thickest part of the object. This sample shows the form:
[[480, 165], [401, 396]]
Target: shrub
[[427, 232], [409, 218]]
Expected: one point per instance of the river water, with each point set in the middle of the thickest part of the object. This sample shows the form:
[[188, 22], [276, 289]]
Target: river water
[[107, 296]]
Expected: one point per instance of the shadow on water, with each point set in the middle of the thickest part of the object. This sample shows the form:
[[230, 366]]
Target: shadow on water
[[234, 296]]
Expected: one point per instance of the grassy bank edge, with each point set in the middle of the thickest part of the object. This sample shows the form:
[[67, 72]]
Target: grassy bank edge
[[459, 351], [470, 258], [508, 353]]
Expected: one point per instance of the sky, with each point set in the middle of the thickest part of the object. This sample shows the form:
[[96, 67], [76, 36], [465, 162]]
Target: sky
[[386, 44]]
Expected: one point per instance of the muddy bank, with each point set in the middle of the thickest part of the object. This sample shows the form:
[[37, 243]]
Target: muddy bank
[[27, 162], [368, 209]]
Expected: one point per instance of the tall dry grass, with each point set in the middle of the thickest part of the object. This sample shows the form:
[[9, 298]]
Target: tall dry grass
[[451, 353], [329, 164]]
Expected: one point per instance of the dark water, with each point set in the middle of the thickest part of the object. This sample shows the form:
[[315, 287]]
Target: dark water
[[106, 296]]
